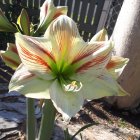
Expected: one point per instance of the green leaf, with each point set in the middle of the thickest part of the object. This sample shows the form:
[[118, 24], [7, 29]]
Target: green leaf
[[81, 129], [5, 25], [23, 22], [18, 28], [66, 134]]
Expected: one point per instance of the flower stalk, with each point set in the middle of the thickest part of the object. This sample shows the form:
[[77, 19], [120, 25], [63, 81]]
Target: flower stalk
[[31, 122], [47, 121]]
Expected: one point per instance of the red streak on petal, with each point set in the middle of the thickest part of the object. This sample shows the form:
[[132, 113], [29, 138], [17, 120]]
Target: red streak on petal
[[57, 15], [92, 63], [111, 64], [47, 53], [14, 49], [46, 9], [11, 61], [37, 44], [28, 76], [84, 55], [36, 58]]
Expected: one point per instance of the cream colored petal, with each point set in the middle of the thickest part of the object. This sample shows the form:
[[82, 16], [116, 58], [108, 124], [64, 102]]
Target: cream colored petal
[[60, 10], [64, 35], [116, 65], [100, 36], [101, 86], [84, 50], [48, 13], [29, 85], [36, 55], [96, 60], [67, 103], [46, 10], [48, 4], [10, 56]]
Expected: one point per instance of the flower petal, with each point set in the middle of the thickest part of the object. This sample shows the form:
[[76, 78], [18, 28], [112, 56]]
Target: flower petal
[[116, 65], [68, 104], [48, 13], [64, 34], [98, 59], [29, 85], [44, 10], [10, 56], [85, 50], [35, 53], [101, 86], [100, 36], [60, 10]]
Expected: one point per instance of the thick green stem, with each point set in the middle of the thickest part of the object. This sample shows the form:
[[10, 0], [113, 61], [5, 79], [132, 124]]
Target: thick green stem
[[30, 124], [47, 122]]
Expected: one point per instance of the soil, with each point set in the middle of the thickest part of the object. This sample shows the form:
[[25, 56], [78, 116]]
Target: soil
[[109, 123]]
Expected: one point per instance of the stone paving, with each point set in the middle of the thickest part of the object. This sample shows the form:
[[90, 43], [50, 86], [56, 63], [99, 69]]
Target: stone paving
[[12, 113]]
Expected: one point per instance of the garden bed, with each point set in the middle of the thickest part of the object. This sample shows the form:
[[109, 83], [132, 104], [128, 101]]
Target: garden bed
[[110, 123]]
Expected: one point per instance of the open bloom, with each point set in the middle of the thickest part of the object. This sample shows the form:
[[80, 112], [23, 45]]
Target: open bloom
[[62, 67]]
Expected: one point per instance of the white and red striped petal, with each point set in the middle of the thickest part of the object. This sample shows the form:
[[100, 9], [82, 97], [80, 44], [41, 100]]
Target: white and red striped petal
[[60, 10], [64, 34], [29, 84], [36, 54], [116, 65], [47, 5], [10, 56], [83, 51], [48, 13], [96, 60]]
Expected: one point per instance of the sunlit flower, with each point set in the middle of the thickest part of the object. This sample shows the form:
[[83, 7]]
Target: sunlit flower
[[48, 13], [62, 67]]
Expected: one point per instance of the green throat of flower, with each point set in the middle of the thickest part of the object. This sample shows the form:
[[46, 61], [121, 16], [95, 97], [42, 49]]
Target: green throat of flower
[[63, 74]]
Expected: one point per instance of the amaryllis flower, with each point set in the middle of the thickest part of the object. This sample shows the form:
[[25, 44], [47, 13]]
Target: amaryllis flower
[[48, 13], [62, 67]]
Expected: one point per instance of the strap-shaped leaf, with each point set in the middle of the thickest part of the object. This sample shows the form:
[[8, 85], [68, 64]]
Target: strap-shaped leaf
[[5, 25], [81, 129], [23, 22]]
